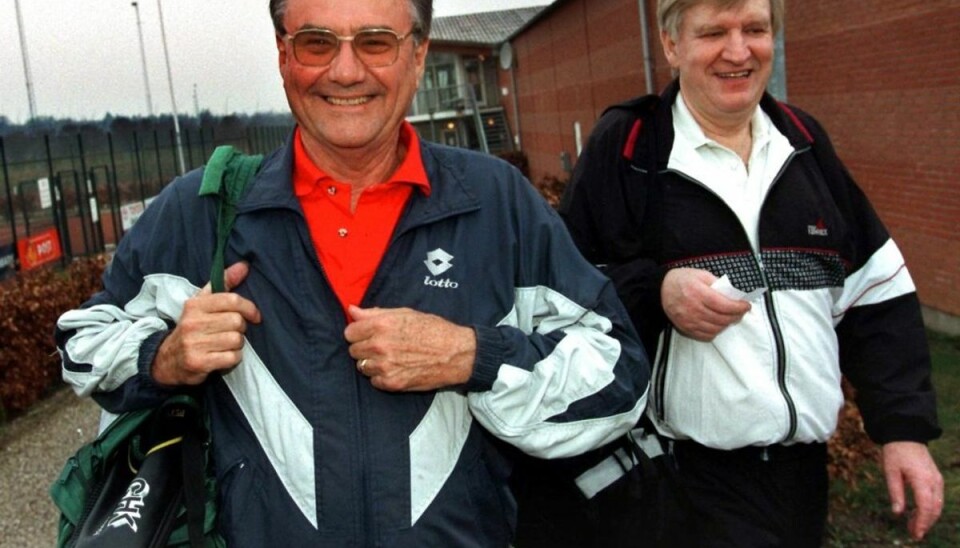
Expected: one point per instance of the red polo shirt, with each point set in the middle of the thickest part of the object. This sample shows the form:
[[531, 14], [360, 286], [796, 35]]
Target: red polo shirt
[[351, 245]]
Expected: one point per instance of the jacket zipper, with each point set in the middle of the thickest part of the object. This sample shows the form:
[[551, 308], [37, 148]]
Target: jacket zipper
[[661, 378], [781, 353], [775, 322], [364, 503], [780, 358]]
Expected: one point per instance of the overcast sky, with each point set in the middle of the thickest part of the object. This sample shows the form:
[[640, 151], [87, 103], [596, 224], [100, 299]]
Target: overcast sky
[[85, 61]]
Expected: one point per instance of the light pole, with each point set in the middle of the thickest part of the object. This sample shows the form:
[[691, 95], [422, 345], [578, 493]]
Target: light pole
[[143, 59], [32, 103], [173, 99], [196, 103]]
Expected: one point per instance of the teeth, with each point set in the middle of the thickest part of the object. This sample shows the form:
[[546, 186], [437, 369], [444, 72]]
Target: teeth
[[348, 102], [741, 74]]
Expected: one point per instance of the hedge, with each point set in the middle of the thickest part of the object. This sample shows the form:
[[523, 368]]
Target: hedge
[[30, 304]]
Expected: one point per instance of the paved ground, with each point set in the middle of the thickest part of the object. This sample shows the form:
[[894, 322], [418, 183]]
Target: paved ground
[[33, 450]]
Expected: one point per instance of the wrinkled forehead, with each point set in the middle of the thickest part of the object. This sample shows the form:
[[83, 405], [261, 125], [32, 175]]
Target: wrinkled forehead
[[673, 13], [348, 15]]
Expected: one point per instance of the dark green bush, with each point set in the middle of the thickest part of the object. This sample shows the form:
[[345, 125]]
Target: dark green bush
[[518, 159], [552, 189], [30, 304]]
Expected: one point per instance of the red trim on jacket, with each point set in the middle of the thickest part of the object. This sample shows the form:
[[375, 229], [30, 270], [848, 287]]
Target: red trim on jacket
[[632, 139], [796, 121]]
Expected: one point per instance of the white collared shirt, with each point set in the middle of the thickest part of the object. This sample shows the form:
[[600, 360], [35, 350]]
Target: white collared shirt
[[722, 171]]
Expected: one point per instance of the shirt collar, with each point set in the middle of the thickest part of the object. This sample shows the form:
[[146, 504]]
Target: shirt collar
[[691, 134], [306, 174]]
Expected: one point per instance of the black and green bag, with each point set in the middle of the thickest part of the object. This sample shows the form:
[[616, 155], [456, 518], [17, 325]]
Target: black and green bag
[[146, 480], [141, 483]]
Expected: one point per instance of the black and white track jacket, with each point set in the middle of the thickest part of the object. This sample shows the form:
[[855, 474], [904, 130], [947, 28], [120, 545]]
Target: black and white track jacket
[[839, 299]]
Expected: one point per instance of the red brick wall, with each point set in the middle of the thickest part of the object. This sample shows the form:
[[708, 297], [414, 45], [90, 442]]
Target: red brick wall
[[883, 76], [570, 65]]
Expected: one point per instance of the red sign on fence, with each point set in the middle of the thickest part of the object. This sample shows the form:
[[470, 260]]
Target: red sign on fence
[[39, 249]]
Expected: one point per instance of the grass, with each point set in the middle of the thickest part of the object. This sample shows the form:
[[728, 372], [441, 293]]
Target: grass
[[860, 514]]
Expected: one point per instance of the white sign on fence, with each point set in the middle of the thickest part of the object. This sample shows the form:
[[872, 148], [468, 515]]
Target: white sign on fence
[[129, 213], [43, 187], [94, 210]]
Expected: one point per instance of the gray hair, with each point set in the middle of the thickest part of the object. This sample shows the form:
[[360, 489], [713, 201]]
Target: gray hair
[[670, 12], [421, 10]]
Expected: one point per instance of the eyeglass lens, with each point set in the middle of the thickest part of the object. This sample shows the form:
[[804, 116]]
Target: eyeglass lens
[[375, 48]]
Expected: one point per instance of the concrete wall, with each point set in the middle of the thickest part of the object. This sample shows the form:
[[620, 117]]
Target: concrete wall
[[883, 76]]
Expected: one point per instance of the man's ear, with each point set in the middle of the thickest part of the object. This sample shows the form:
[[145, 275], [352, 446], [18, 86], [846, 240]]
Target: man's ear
[[669, 48], [420, 57], [281, 51]]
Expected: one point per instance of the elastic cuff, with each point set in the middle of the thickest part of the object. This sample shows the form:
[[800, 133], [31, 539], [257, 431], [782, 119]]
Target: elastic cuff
[[490, 351], [145, 356], [139, 391], [905, 429], [661, 273]]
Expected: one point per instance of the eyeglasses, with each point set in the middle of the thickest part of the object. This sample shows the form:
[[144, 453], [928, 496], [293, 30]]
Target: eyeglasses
[[374, 47]]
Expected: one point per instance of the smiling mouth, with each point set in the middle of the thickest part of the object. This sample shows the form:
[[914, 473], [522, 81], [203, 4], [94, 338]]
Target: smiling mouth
[[348, 101], [733, 75]]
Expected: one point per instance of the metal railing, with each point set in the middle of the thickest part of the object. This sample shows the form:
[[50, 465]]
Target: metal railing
[[90, 186], [458, 98]]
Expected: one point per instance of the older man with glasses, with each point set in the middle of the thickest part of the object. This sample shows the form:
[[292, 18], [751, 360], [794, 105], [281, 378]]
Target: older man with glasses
[[402, 316]]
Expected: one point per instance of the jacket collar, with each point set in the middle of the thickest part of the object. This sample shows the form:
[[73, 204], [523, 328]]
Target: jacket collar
[[661, 139], [446, 170]]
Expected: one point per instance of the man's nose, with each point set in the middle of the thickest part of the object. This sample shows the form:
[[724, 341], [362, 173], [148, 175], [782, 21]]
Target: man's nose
[[737, 48], [346, 67]]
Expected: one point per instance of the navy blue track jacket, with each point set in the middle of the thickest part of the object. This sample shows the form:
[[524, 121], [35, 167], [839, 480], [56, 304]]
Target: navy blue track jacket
[[307, 451]]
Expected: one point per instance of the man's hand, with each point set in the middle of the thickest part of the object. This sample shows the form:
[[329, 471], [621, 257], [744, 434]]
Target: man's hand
[[209, 335], [696, 309], [404, 350], [911, 463]]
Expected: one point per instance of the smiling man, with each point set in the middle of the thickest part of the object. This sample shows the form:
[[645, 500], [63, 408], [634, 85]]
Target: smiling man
[[750, 259], [400, 313]]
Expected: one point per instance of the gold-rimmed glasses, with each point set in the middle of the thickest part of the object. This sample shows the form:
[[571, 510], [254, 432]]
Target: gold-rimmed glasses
[[374, 47]]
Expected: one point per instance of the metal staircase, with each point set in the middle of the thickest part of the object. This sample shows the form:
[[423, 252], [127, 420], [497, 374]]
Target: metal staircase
[[496, 130]]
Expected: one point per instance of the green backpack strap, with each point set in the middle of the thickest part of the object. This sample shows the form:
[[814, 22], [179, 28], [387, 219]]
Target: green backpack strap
[[226, 175]]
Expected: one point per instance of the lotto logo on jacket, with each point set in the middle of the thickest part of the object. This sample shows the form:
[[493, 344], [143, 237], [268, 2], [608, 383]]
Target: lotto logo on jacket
[[439, 261]]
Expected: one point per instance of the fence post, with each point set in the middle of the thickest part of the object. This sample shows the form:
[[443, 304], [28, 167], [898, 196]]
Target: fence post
[[65, 211], [173, 153], [23, 205], [114, 192], [59, 217], [136, 150], [10, 212], [93, 204], [186, 138], [86, 204], [203, 147], [156, 150], [99, 240], [60, 209]]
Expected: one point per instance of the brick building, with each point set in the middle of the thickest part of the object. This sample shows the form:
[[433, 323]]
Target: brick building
[[459, 100], [883, 76]]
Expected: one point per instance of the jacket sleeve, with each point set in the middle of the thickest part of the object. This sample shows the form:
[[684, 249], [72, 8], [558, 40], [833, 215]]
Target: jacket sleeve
[[564, 372], [605, 207], [107, 345], [883, 345]]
